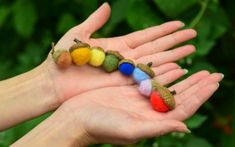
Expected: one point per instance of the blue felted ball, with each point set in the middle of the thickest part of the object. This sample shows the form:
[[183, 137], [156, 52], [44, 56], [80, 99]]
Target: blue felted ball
[[126, 68], [139, 75]]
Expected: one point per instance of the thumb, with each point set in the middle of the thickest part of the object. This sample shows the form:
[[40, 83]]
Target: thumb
[[97, 19], [157, 128]]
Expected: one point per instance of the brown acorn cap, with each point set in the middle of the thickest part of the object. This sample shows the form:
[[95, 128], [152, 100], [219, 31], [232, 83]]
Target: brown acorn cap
[[98, 48], [126, 61], [146, 69], [78, 45], [155, 84], [115, 53], [165, 94]]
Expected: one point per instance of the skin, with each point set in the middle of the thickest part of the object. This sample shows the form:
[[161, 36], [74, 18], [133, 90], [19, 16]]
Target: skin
[[46, 87], [124, 116], [121, 117]]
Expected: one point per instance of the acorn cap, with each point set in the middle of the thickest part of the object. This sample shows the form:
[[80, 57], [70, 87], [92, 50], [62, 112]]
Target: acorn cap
[[146, 69], [155, 85], [78, 45], [126, 61], [98, 48], [115, 53], [165, 94]]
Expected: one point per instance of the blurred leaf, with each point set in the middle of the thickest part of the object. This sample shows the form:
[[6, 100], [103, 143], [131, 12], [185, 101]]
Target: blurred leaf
[[31, 57], [106, 145], [119, 10], [199, 65], [7, 138], [4, 11], [66, 22], [173, 8], [4, 67], [140, 15], [87, 6], [197, 142], [196, 121], [24, 18]]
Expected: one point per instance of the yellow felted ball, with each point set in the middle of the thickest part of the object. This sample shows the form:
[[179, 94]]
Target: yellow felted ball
[[81, 56], [97, 56]]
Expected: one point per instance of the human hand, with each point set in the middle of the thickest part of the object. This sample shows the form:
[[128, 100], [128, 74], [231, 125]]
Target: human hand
[[120, 115], [144, 46]]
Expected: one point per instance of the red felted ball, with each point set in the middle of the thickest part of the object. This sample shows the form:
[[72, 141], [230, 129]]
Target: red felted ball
[[157, 102]]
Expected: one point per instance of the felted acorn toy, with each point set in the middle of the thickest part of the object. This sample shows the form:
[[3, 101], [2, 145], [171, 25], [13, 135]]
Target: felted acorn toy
[[80, 52], [97, 56], [161, 98], [61, 57], [143, 72], [146, 87], [126, 67], [111, 61]]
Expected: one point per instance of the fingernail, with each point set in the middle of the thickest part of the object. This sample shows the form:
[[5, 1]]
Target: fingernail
[[182, 24], [185, 71], [222, 75], [218, 84], [188, 131]]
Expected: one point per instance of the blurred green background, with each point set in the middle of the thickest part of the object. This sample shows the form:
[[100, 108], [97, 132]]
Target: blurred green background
[[28, 27]]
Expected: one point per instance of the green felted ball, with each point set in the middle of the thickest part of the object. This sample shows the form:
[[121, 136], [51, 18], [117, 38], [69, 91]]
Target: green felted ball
[[110, 63]]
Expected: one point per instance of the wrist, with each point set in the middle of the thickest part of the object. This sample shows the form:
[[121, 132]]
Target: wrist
[[59, 130], [26, 96]]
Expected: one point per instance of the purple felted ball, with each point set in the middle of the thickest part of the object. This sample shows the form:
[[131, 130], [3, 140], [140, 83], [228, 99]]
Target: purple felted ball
[[145, 87]]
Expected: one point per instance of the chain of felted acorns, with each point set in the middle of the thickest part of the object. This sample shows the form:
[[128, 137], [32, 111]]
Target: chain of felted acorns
[[81, 53]]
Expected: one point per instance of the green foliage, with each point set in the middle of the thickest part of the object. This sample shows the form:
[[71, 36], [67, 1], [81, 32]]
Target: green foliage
[[24, 17], [28, 27], [174, 8], [147, 18], [195, 121]]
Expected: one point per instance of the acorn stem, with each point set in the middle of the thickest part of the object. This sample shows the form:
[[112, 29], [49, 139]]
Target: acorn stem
[[150, 64], [77, 41], [52, 48], [173, 92]]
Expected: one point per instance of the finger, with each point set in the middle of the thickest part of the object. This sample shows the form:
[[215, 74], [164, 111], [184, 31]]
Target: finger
[[143, 36], [185, 84], [165, 68], [170, 76], [213, 78], [191, 105], [97, 19], [148, 129], [164, 43], [168, 56]]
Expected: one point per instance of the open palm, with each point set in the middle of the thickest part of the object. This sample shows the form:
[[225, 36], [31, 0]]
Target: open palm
[[143, 46], [121, 115]]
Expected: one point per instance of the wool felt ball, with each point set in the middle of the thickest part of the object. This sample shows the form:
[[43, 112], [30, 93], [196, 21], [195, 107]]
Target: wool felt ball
[[145, 87], [64, 60], [126, 67], [61, 57], [111, 61], [139, 75], [81, 56], [165, 94], [97, 56], [157, 102]]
